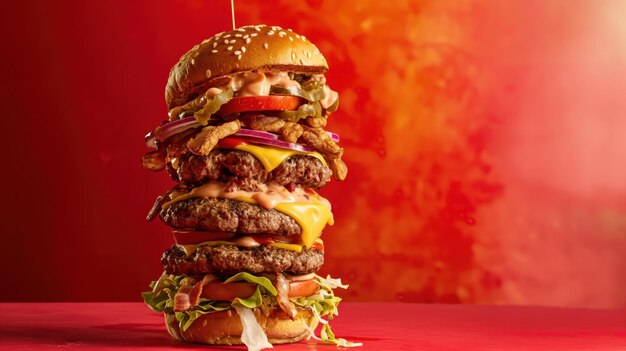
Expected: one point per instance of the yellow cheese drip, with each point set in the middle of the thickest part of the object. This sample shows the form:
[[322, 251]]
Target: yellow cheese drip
[[312, 218], [272, 157], [292, 247]]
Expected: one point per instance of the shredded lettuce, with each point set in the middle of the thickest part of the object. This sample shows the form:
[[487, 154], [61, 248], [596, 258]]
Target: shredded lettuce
[[330, 283], [323, 304], [253, 335], [327, 335], [160, 298]]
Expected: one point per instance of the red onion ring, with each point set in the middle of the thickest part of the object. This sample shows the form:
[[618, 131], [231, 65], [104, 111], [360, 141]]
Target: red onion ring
[[163, 132]]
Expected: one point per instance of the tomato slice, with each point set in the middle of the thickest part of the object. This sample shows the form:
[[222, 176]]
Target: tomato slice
[[230, 291], [227, 292], [188, 237], [263, 240], [303, 288], [230, 142], [318, 245], [260, 103]]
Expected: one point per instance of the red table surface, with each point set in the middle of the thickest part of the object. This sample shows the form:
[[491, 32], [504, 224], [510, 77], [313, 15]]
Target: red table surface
[[380, 326]]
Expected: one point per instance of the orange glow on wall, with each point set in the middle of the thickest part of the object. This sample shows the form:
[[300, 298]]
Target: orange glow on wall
[[485, 145]]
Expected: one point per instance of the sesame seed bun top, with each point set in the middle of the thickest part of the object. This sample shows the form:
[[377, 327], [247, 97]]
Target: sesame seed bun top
[[242, 49]]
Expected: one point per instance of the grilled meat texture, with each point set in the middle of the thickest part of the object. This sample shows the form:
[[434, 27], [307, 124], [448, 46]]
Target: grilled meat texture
[[215, 214], [223, 165], [224, 260]]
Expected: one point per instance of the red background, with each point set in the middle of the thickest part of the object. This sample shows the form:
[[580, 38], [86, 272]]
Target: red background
[[485, 144]]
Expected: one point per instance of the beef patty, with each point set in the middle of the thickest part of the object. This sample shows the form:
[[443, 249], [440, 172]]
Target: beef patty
[[223, 165], [216, 214], [229, 259]]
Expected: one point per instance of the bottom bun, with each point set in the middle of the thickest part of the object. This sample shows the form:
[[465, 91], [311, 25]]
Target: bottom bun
[[224, 328]]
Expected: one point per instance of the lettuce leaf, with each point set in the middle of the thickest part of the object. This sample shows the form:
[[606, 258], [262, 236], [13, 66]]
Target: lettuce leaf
[[261, 281], [251, 302], [159, 299], [322, 304], [187, 318]]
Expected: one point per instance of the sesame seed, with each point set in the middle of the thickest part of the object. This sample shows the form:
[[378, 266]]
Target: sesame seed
[[229, 48], [276, 27], [239, 57], [303, 37], [227, 36], [289, 29], [298, 36], [265, 45], [282, 34], [237, 52], [246, 36], [215, 45], [225, 41], [238, 35], [232, 41], [308, 54], [290, 39], [258, 29], [253, 34], [247, 40], [193, 62], [243, 49], [240, 30], [293, 55], [270, 32], [214, 51]]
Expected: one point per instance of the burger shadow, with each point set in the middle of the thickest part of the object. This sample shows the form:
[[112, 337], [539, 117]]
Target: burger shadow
[[144, 335], [111, 336]]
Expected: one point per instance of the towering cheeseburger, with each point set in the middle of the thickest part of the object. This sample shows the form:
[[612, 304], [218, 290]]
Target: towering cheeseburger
[[245, 141]]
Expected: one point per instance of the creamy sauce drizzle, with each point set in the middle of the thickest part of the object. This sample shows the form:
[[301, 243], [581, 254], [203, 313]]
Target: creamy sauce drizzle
[[251, 83], [269, 196]]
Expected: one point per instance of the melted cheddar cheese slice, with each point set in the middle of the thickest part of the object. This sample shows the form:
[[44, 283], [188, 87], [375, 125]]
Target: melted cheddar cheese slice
[[271, 157], [311, 211]]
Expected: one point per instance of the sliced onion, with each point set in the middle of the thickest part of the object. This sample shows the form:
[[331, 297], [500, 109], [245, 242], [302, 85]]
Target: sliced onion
[[257, 134], [334, 136], [167, 130], [281, 144], [162, 133], [271, 136]]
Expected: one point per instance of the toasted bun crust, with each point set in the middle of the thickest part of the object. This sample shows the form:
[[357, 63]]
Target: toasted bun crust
[[243, 49], [224, 328]]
